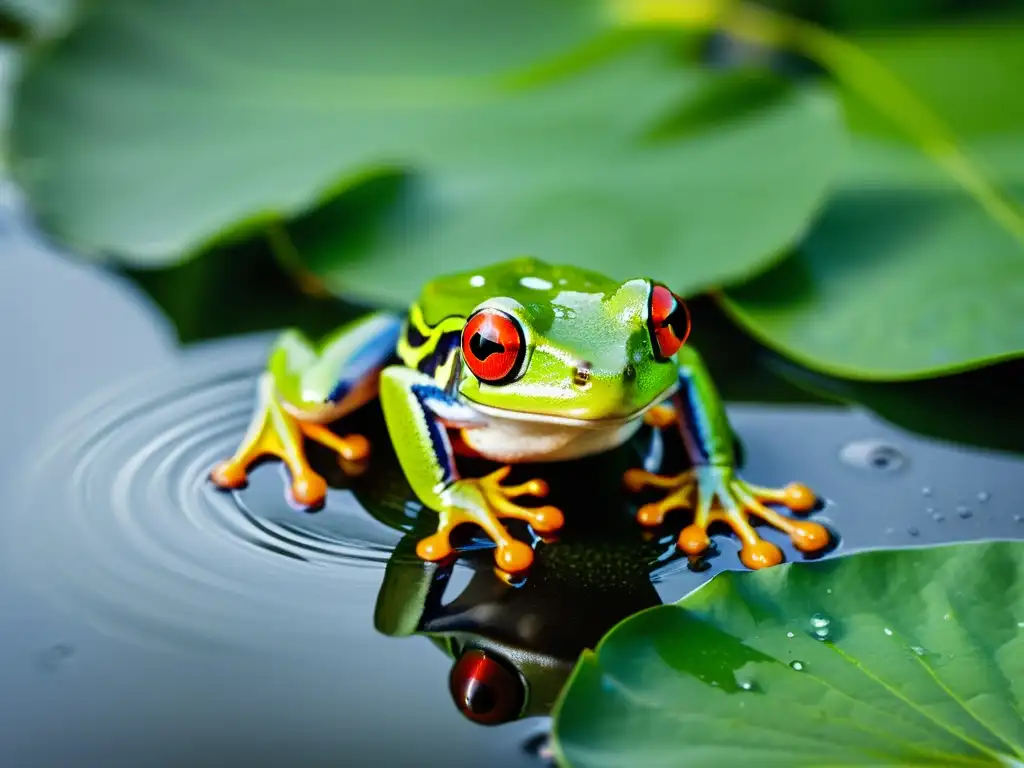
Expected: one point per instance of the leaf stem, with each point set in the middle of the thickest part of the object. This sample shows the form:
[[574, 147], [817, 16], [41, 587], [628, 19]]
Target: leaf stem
[[287, 255], [851, 66]]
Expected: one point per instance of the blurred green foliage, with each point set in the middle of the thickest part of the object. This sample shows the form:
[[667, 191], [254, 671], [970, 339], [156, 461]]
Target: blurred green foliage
[[843, 177]]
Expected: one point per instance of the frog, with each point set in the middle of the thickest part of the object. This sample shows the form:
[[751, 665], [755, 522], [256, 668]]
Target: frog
[[517, 363]]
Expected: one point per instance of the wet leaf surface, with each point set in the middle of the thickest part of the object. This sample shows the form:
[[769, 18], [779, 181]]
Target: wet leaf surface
[[883, 658]]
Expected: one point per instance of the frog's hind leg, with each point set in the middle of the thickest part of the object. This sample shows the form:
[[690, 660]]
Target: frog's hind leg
[[272, 432], [301, 392]]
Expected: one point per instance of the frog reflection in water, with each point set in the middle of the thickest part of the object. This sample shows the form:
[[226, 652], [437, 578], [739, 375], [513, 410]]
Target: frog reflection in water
[[513, 646], [521, 362]]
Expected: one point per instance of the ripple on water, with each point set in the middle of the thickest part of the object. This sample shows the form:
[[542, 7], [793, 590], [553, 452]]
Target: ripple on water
[[119, 520]]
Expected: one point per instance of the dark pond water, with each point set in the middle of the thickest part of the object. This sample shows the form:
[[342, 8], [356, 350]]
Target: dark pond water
[[147, 618]]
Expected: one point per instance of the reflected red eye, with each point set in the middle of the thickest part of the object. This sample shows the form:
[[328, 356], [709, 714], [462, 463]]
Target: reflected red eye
[[492, 346], [670, 322], [485, 690]]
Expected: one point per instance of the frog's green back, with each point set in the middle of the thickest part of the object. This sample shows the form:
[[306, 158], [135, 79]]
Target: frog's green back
[[526, 280]]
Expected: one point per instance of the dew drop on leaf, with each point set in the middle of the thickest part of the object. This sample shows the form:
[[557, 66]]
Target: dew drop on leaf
[[888, 631], [796, 665]]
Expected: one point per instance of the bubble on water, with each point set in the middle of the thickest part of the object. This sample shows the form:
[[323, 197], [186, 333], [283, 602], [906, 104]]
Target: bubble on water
[[984, 496], [796, 665], [964, 511], [938, 517], [872, 455], [55, 656], [926, 491], [913, 531], [888, 631]]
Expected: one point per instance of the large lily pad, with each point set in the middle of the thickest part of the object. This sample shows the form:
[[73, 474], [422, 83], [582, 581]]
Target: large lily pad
[[906, 275], [518, 127], [911, 657]]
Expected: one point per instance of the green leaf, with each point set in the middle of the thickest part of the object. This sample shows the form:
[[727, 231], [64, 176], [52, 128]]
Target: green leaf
[[906, 275], [911, 657], [517, 127]]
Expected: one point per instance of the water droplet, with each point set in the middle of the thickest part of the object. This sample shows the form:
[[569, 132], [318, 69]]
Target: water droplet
[[821, 626], [790, 634], [1018, 518], [796, 665], [945, 617], [746, 685], [1020, 624], [918, 650], [926, 491], [938, 517], [828, 591], [888, 631], [872, 455], [984, 496], [964, 512], [913, 531]]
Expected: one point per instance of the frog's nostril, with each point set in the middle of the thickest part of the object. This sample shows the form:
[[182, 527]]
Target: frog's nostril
[[581, 374]]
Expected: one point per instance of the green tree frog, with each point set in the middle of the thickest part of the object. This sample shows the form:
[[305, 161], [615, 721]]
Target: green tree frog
[[521, 362]]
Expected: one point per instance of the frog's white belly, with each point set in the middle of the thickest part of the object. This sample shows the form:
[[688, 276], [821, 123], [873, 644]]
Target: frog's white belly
[[518, 441]]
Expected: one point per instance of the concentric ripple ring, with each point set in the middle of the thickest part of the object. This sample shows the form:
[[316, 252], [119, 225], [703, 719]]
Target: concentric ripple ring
[[119, 520]]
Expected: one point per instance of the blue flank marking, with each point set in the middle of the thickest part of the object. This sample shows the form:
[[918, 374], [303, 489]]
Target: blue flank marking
[[693, 424], [374, 352], [424, 393]]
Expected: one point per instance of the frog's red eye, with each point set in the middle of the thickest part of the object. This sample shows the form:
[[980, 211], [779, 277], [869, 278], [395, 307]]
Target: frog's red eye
[[493, 346], [485, 690], [670, 322]]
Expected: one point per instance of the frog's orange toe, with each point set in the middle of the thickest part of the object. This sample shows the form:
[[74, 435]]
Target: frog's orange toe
[[434, 548], [514, 556], [355, 448], [228, 475], [798, 497], [762, 554], [693, 540], [309, 489], [809, 537], [547, 519]]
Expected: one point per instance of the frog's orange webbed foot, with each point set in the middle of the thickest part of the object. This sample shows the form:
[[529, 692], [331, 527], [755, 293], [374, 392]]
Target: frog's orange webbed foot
[[275, 432], [484, 501], [717, 495]]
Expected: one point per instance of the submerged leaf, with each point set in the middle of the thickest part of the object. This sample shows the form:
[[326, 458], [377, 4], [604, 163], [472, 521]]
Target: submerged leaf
[[517, 127], [911, 657]]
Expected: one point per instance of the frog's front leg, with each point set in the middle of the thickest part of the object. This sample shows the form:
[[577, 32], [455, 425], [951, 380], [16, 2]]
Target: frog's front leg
[[303, 390], [418, 414], [712, 488]]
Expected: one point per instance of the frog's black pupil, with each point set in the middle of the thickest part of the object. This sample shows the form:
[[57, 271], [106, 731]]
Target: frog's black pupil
[[677, 321], [479, 698], [483, 347]]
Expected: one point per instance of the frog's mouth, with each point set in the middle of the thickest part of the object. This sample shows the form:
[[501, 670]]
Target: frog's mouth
[[569, 421]]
